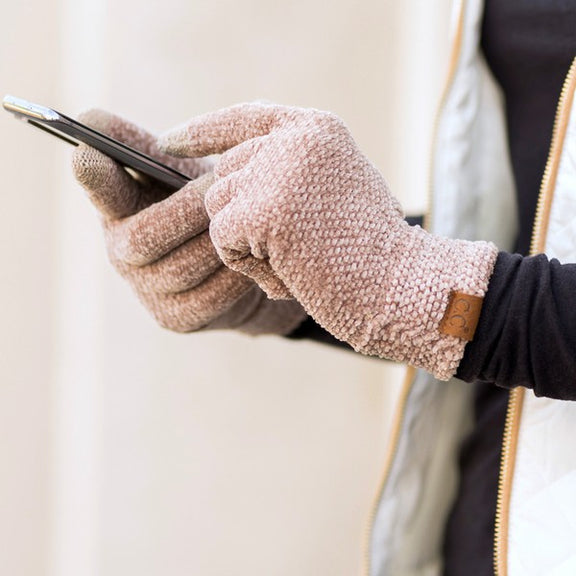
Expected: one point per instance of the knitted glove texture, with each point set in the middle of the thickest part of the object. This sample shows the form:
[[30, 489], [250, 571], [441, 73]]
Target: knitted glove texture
[[160, 243], [297, 207]]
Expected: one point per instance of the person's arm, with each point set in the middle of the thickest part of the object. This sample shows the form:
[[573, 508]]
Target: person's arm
[[528, 318], [526, 335], [298, 208]]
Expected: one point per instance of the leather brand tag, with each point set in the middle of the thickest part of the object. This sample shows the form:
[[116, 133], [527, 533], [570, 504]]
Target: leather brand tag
[[462, 315]]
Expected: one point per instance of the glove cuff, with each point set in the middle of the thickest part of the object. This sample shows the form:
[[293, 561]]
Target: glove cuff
[[435, 288]]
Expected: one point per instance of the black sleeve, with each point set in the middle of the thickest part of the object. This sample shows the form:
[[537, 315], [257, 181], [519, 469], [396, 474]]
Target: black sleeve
[[415, 220], [312, 331], [527, 330]]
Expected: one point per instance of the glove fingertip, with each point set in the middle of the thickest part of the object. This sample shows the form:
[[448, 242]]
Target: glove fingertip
[[91, 168], [110, 188], [178, 142]]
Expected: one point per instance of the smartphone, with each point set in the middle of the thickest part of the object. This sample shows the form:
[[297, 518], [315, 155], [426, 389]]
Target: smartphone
[[74, 132]]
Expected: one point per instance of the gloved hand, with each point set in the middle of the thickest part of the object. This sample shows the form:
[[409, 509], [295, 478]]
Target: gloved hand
[[160, 243], [298, 208]]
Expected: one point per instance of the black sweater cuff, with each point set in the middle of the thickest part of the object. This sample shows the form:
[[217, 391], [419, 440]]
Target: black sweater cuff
[[527, 330]]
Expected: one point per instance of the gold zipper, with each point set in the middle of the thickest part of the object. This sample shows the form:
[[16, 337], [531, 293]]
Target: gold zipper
[[513, 415], [548, 184], [411, 372], [507, 464]]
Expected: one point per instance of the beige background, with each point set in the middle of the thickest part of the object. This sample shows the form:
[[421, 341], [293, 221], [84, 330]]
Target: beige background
[[125, 449]]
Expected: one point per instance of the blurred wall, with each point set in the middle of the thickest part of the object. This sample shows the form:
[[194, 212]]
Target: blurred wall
[[129, 450]]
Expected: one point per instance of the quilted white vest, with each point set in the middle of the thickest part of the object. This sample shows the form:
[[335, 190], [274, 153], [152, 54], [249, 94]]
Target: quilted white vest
[[473, 198]]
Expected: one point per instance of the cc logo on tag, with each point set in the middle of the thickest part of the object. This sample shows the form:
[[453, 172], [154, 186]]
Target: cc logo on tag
[[461, 316]]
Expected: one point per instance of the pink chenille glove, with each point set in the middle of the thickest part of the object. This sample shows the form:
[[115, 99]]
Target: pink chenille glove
[[297, 207], [161, 245]]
